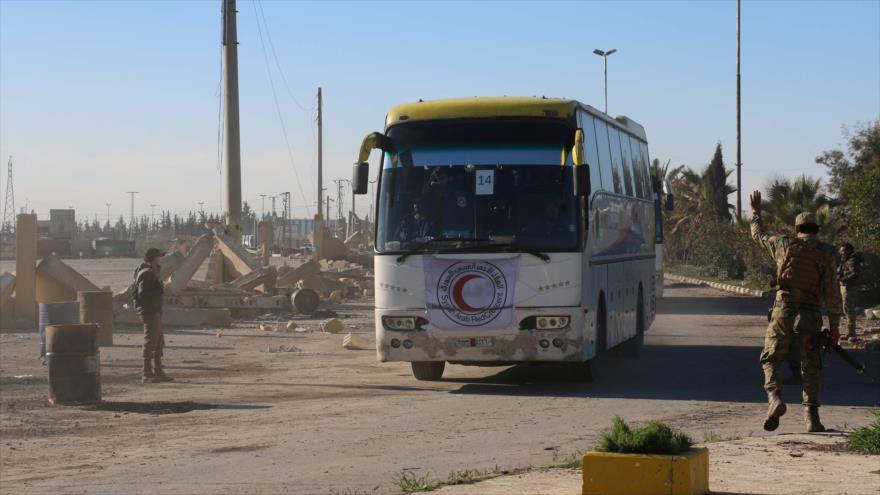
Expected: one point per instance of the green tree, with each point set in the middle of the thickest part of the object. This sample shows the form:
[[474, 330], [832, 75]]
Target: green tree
[[786, 199], [717, 189]]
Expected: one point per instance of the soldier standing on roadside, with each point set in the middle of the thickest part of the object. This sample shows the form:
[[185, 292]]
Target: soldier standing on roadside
[[848, 276], [805, 271], [147, 293]]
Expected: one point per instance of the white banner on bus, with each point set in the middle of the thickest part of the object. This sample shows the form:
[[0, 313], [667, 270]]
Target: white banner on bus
[[465, 294]]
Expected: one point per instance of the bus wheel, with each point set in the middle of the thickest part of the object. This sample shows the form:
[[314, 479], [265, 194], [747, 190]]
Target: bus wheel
[[428, 370]]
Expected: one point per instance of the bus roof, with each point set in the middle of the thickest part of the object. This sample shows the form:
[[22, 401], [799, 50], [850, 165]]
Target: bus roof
[[502, 106]]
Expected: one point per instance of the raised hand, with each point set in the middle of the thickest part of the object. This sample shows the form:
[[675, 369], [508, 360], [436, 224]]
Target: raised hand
[[756, 201]]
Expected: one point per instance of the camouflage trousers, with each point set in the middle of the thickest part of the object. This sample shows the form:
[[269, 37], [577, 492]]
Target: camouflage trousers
[[847, 295], [793, 325], [154, 336]]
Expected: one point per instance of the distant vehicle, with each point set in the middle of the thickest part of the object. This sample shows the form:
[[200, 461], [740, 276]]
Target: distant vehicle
[[249, 240], [510, 230], [105, 247]]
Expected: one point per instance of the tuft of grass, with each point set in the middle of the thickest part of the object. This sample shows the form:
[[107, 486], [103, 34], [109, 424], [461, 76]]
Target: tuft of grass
[[653, 438], [712, 437], [570, 461], [409, 482], [867, 438], [469, 476]]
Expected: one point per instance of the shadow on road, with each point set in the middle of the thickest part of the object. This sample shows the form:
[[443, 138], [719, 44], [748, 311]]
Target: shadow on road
[[699, 373], [165, 407], [743, 306]]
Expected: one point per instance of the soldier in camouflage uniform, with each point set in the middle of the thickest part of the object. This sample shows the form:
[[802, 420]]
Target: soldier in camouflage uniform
[[805, 271], [848, 276]]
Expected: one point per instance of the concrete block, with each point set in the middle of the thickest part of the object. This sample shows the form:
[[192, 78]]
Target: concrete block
[[58, 282], [354, 342], [25, 269], [291, 277], [332, 326], [235, 253], [637, 474]]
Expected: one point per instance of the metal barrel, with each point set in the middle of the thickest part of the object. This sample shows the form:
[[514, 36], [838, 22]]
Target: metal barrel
[[62, 313], [97, 307], [74, 364], [305, 301]]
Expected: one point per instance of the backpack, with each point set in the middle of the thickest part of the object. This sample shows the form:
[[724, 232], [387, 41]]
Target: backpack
[[133, 288], [802, 267]]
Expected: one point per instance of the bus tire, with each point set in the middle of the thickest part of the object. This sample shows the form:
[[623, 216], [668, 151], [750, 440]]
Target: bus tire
[[428, 370]]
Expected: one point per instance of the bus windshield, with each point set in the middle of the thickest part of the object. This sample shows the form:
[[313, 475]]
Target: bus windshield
[[486, 186]]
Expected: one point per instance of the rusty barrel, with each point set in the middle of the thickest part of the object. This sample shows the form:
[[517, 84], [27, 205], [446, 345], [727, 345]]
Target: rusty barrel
[[305, 301], [60, 313], [74, 364], [97, 307]]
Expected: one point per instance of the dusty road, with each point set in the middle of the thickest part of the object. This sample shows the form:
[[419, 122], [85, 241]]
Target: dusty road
[[323, 420]]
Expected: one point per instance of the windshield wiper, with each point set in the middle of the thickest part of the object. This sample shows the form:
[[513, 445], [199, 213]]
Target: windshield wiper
[[419, 248]]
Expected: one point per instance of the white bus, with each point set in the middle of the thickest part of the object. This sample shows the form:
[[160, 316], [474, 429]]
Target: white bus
[[510, 230]]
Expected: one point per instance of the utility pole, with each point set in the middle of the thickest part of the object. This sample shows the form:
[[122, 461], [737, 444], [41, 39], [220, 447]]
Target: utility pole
[[328, 208], [153, 216], [231, 135], [131, 223], [353, 214], [604, 56], [273, 206], [8, 224], [738, 122], [108, 212], [320, 152], [263, 214]]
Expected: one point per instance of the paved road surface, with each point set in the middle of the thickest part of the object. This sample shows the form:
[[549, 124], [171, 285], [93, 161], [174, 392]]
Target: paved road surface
[[325, 420]]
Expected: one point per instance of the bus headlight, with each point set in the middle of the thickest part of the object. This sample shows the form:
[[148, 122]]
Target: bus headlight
[[403, 323], [552, 322]]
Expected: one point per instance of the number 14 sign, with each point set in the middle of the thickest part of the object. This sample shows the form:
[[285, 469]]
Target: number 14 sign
[[485, 182]]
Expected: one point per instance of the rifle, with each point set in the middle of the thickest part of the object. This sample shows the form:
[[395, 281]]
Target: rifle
[[826, 344]]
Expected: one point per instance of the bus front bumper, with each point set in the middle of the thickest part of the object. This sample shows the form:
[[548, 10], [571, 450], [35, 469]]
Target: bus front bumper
[[479, 346]]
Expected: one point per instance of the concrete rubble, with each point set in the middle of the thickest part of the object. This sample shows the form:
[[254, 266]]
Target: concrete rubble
[[240, 283]]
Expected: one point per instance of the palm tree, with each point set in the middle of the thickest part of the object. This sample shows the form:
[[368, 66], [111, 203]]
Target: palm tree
[[786, 199]]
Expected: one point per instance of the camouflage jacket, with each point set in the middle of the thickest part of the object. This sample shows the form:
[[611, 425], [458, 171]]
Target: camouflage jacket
[[805, 269], [848, 270]]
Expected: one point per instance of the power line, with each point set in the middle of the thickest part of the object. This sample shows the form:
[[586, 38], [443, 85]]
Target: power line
[[277, 106], [278, 65]]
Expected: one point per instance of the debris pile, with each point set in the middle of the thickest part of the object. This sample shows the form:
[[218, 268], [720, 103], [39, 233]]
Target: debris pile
[[239, 283]]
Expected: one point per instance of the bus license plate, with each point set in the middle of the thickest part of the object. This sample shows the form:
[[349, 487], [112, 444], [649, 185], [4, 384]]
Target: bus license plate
[[475, 342]]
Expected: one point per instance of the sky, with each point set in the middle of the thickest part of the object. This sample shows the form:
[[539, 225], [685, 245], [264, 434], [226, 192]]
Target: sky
[[100, 98]]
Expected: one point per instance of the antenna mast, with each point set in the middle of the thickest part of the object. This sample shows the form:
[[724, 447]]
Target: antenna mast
[[8, 225]]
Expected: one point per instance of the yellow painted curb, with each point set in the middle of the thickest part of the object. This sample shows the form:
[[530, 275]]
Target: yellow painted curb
[[636, 474]]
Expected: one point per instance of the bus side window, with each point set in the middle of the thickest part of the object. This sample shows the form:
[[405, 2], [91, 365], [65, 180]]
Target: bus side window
[[644, 149], [592, 153], [629, 165], [638, 168], [610, 180], [622, 181]]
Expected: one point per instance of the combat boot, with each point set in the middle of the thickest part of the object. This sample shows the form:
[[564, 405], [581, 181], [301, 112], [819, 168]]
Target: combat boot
[[811, 419], [159, 374], [149, 376], [775, 409]]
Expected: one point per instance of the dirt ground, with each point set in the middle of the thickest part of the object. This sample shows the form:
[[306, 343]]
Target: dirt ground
[[253, 411]]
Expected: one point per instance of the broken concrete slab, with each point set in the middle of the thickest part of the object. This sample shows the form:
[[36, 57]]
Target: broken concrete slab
[[234, 252], [291, 276], [178, 317], [261, 276], [58, 282], [169, 264], [191, 263]]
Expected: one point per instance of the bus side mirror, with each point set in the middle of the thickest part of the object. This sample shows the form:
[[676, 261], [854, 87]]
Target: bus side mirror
[[670, 202], [582, 180], [360, 178]]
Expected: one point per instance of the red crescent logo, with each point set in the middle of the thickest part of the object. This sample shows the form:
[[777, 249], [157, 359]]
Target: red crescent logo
[[457, 296]]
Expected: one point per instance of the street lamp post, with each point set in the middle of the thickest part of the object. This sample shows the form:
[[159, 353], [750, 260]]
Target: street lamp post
[[604, 56]]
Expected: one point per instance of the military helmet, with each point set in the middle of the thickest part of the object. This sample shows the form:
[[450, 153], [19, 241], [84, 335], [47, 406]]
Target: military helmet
[[805, 218]]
